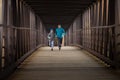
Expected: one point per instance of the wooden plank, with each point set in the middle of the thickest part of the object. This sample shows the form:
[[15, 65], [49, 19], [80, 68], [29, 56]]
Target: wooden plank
[[91, 26], [98, 30], [0, 48], [102, 14], [106, 44], [117, 32], [69, 36], [71, 64]]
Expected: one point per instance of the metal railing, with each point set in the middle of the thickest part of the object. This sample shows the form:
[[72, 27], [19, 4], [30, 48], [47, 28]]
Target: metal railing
[[17, 43], [101, 41]]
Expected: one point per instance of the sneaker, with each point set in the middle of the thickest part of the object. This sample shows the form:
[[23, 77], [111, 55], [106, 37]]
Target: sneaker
[[51, 49], [59, 48]]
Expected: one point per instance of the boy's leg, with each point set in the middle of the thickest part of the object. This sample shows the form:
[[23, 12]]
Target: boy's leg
[[49, 43], [52, 44], [63, 41], [59, 43]]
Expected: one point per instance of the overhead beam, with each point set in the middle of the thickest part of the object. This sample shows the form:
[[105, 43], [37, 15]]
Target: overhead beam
[[55, 14], [65, 9], [70, 1], [80, 6], [40, 14], [60, 3]]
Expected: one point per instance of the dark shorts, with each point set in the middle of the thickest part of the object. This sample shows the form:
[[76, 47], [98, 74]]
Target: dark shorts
[[59, 42]]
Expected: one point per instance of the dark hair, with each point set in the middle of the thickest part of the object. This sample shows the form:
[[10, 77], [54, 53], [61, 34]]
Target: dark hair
[[59, 24]]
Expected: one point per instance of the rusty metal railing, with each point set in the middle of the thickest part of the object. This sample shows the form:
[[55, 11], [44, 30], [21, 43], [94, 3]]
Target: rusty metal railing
[[101, 41], [17, 43]]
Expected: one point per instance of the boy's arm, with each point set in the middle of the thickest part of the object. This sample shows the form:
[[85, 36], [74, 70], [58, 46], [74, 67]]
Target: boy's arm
[[63, 34], [48, 36]]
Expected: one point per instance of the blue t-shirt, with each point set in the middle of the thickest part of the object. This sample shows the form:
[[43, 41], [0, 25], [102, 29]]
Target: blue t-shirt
[[60, 32]]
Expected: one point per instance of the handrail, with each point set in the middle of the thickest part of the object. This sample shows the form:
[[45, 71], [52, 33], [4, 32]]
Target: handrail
[[25, 28], [11, 26], [109, 26], [98, 27]]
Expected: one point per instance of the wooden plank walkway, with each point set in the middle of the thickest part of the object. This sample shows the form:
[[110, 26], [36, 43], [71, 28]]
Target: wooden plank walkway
[[71, 63]]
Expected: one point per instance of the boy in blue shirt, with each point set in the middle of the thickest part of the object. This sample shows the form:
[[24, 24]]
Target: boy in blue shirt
[[60, 32]]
